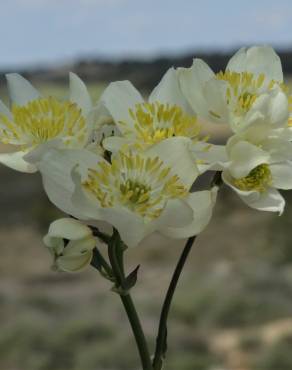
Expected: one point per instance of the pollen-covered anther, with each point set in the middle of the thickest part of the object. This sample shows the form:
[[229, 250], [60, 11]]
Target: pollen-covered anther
[[140, 183], [243, 88], [41, 120], [153, 122], [258, 179]]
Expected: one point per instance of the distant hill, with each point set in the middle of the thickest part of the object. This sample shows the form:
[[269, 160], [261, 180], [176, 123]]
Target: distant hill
[[143, 73]]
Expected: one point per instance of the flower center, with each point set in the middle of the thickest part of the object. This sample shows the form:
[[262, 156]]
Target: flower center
[[140, 183], [154, 122], [258, 179], [242, 89], [41, 120], [135, 191]]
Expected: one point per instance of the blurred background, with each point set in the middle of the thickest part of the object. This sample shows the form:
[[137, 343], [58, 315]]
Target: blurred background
[[233, 307]]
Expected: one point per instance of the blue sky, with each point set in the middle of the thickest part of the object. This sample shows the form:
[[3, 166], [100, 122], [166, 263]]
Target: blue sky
[[51, 31]]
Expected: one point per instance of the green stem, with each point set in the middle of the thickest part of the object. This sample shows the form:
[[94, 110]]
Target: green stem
[[116, 260], [161, 341], [98, 260]]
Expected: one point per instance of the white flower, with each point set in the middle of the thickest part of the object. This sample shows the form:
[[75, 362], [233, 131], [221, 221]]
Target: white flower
[[71, 243], [259, 163], [250, 90], [35, 120], [166, 114], [138, 193]]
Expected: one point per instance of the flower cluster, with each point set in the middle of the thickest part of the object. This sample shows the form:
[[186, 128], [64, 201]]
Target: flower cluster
[[131, 163]]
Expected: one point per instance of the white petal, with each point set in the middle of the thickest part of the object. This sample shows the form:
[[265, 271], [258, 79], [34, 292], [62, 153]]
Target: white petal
[[56, 245], [279, 149], [285, 133], [255, 134], [20, 90], [177, 213], [209, 156], [176, 153], [56, 167], [87, 206], [282, 175], [74, 263], [118, 98], [131, 226], [273, 108], [4, 110], [244, 157], [201, 203], [215, 96], [270, 200], [257, 59], [79, 93], [16, 162], [68, 228], [80, 246], [192, 81], [168, 92], [115, 143]]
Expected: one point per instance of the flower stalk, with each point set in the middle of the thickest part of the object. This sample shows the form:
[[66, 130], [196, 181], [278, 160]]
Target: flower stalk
[[115, 252], [161, 341]]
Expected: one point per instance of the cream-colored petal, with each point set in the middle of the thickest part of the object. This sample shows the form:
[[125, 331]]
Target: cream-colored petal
[[56, 245], [80, 246], [176, 153], [192, 81], [79, 93], [201, 203], [20, 90], [176, 213], [131, 226], [73, 263], [115, 143], [16, 162], [282, 175], [278, 148], [69, 228], [215, 95], [270, 200], [255, 134], [269, 109], [244, 157], [118, 98], [273, 107], [168, 91], [56, 167], [4, 110], [86, 204], [258, 60], [209, 156]]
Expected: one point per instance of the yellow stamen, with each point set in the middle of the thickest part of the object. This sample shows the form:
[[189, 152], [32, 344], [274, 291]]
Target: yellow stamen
[[41, 120], [258, 179], [154, 122], [243, 89], [141, 184]]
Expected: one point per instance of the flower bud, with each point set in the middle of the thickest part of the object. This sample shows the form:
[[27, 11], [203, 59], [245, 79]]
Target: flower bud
[[71, 243]]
